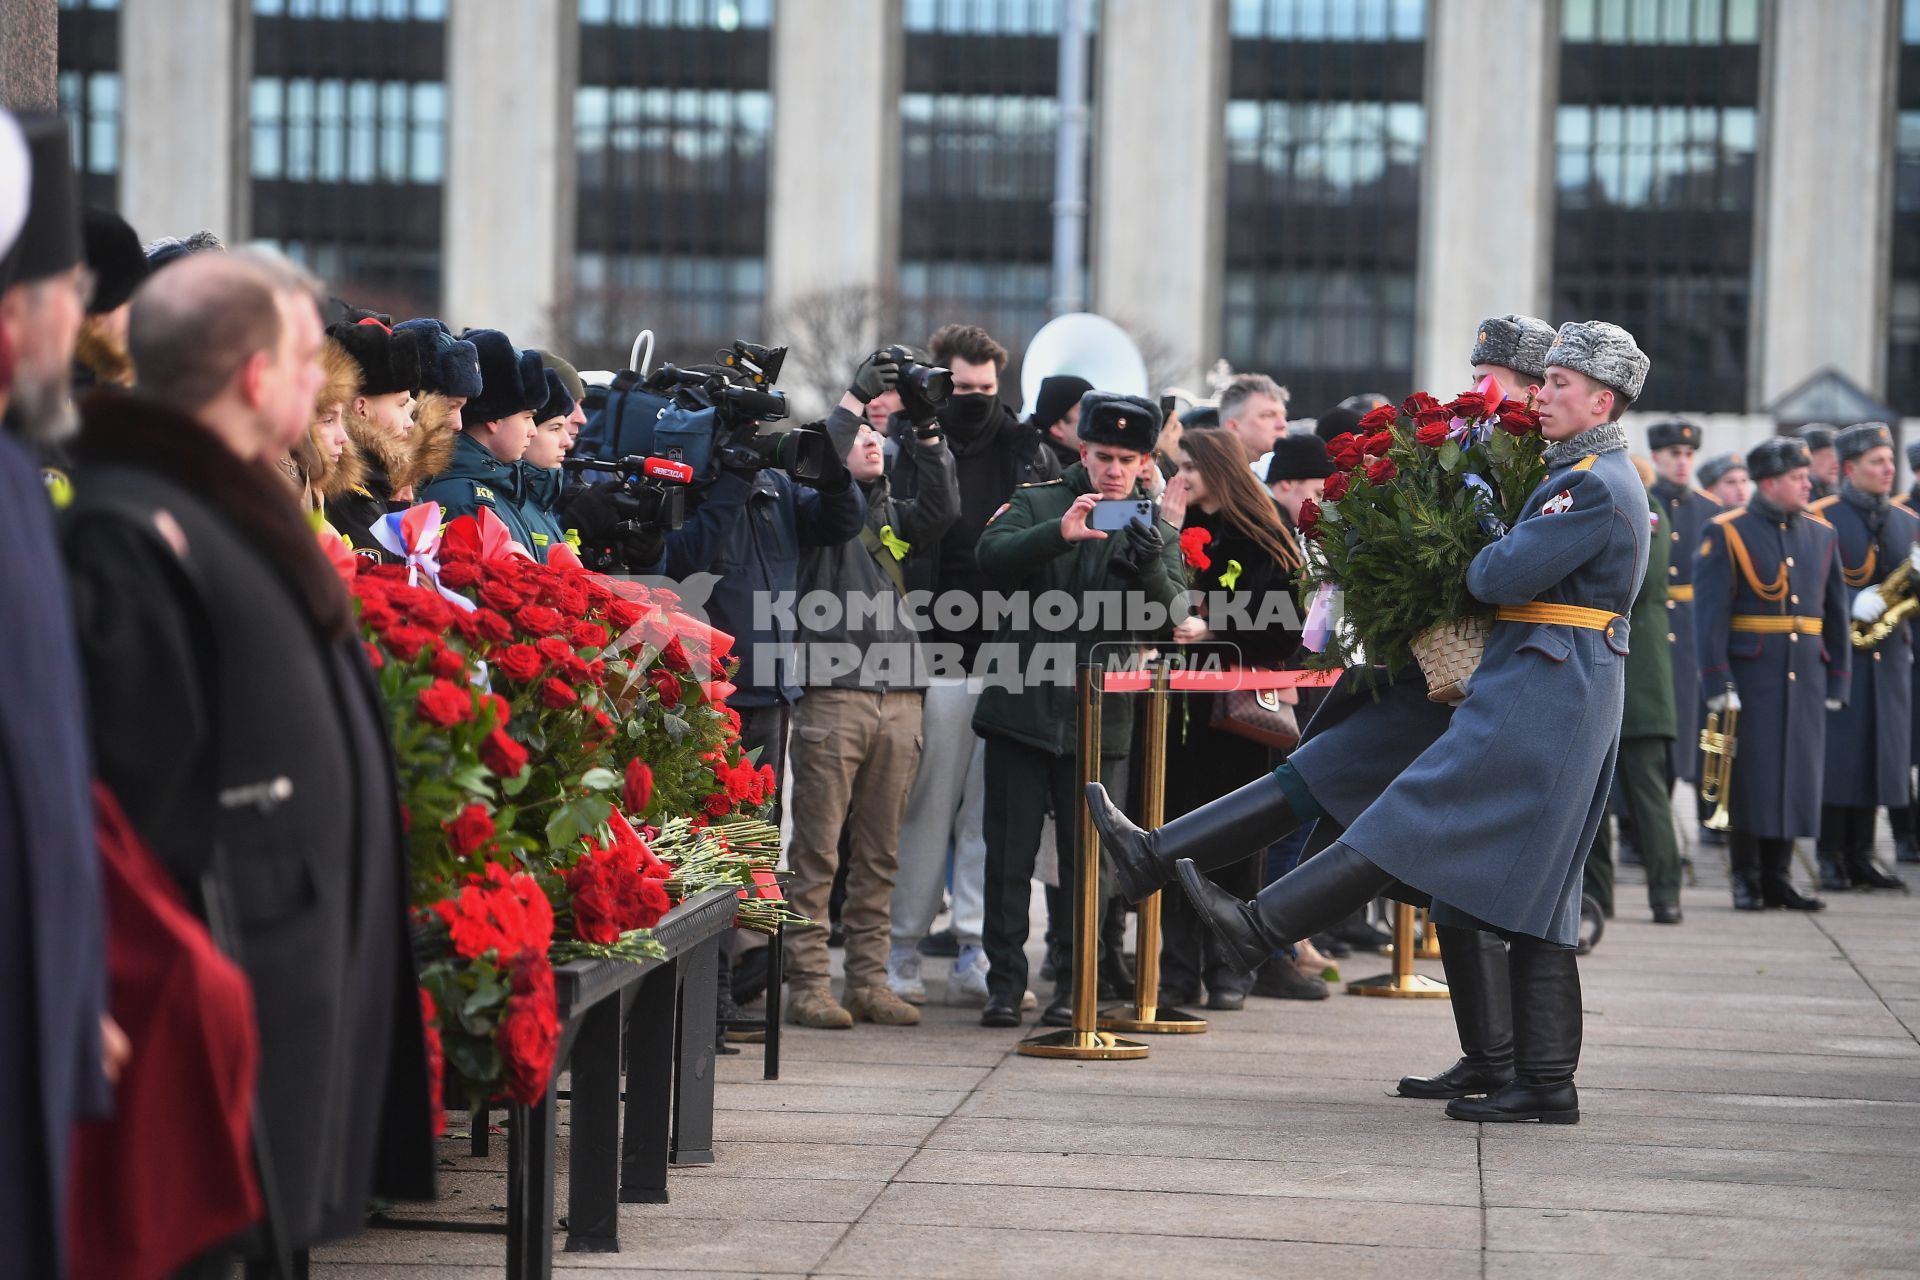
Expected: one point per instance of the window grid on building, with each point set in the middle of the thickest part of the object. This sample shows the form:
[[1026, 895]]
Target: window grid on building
[[89, 87], [1903, 320], [673, 120], [1654, 172], [1324, 128]]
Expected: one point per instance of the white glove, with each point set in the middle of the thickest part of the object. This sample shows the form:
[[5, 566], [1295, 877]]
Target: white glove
[[1913, 557], [1727, 701], [1834, 704], [1868, 606]]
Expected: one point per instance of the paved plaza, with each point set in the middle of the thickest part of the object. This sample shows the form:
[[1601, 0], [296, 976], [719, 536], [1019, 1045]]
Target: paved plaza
[[1750, 1096]]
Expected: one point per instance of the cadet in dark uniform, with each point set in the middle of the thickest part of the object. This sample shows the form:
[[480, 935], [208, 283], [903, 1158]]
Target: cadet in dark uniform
[[1869, 741], [1684, 512], [1902, 819], [1775, 644], [1823, 465]]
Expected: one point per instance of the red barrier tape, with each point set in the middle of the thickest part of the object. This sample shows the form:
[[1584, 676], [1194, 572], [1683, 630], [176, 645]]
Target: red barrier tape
[[1221, 681]]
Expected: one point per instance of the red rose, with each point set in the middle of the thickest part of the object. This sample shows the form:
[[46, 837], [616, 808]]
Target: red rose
[[448, 664], [472, 828], [1381, 471], [1377, 443], [567, 601], [405, 642], [1518, 420], [588, 635], [374, 659], [1432, 435], [519, 663], [624, 614], [1443, 415], [1345, 450], [1473, 406], [1418, 403], [445, 704], [377, 613], [436, 1061], [718, 805], [674, 657], [1337, 486], [557, 694], [1377, 419], [530, 1029], [459, 573], [638, 791], [496, 593], [484, 626], [502, 754], [666, 685], [539, 620], [501, 711], [1309, 517]]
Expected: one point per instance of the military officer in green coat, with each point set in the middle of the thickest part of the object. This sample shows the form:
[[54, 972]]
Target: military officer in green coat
[[1041, 543]]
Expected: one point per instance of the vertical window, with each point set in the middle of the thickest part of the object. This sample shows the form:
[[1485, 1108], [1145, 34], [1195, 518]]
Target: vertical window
[[1903, 321]]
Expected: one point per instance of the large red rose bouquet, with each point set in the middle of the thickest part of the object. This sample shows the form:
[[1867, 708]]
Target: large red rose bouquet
[[1420, 488], [533, 710]]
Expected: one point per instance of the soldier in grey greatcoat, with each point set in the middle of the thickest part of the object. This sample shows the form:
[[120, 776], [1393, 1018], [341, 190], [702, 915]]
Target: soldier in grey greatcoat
[[1869, 745], [1823, 464], [1684, 511], [1357, 743], [1493, 820], [1902, 819], [1772, 625]]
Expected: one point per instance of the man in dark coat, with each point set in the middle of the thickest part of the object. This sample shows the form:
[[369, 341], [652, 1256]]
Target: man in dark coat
[[1869, 741], [1684, 511], [234, 714], [1774, 645], [1901, 820], [53, 1006]]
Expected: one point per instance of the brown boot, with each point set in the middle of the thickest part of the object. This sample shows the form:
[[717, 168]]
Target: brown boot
[[816, 1007], [880, 1005]]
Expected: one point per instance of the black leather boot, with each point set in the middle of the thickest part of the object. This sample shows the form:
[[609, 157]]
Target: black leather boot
[[1217, 834], [1298, 905], [1862, 868], [1476, 965], [1776, 878], [1546, 1029], [1743, 876]]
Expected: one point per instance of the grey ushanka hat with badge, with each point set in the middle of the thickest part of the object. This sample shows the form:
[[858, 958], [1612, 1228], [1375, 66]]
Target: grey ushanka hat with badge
[[1715, 469], [1513, 342], [1776, 456], [1860, 437], [1604, 352]]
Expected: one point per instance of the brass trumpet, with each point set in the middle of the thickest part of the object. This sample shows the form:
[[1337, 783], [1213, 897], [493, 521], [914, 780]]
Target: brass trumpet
[[1897, 590], [1718, 744]]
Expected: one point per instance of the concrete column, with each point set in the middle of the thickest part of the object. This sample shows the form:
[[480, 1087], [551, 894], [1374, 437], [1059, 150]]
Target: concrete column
[[184, 73], [833, 199], [29, 68], [1159, 178], [1486, 208], [1825, 210], [508, 204]]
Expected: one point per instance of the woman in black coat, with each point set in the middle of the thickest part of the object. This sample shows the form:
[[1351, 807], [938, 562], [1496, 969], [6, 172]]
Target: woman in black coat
[[1236, 545]]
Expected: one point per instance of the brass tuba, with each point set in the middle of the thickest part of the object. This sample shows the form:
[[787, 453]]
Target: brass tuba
[[1896, 589], [1718, 744]]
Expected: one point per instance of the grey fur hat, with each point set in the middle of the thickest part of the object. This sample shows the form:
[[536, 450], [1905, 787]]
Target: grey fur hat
[[1604, 352], [1776, 457], [1860, 437], [1818, 435], [1913, 455], [1513, 342], [1671, 431], [1715, 469]]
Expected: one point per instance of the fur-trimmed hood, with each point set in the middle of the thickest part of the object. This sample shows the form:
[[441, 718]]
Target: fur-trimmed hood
[[436, 428]]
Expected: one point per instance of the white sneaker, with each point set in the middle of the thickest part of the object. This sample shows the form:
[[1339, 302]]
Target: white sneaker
[[967, 983], [903, 974]]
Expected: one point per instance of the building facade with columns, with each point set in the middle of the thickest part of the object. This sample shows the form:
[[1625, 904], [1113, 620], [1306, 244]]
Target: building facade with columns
[[1331, 191]]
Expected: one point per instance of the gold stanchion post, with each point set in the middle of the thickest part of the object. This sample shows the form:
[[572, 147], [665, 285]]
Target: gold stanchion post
[[1144, 1015], [1084, 1040], [1403, 981], [1429, 937]]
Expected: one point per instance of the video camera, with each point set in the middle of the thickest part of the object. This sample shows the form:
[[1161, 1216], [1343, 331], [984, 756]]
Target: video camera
[[713, 414], [621, 523], [930, 383]]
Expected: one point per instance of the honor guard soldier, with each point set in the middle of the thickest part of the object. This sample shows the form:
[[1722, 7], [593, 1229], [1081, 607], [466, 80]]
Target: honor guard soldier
[[1772, 629], [1902, 820], [1684, 511], [1869, 741], [1823, 467]]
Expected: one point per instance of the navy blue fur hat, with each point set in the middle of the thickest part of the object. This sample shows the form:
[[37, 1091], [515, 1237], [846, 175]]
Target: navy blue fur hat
[[449, 366], [1126, 422], [1775, 456], [388, 362], [559, 402], [511, 380]]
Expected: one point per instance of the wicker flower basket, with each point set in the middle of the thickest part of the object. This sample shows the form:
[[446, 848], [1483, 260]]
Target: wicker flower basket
[[1448, 652]]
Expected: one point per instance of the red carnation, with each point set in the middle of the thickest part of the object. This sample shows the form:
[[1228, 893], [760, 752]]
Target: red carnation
[[674, 656], [406, 642], [1432, 435], [718, 805], [539, 620], [1377, 419], [1377, 443], [445, 704], [1193, 547], [557, 694], [530, 1029], [1337, 486], [500, 753], [472, 828], [519, 663], [638, 791], [448, 664], [496, 593], [1381, 471], [375, 612]]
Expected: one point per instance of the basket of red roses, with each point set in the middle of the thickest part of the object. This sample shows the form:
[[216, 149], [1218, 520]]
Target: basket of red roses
[[1422, 486]]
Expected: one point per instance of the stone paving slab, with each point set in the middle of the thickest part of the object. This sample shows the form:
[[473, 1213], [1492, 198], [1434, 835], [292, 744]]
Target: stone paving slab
[[1750, 1090]]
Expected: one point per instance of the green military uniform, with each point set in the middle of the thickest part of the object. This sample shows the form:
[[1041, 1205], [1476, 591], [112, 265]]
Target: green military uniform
[[1031, 726], [1647, 726]]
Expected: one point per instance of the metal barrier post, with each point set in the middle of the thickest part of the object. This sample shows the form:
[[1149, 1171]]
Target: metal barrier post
[[1403, 981]]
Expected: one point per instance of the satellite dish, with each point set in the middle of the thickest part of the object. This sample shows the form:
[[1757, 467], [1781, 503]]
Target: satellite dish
[[1086, 346]]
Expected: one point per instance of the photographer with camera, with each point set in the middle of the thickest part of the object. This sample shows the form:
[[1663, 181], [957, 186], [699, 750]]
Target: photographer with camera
[[857, 732]]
